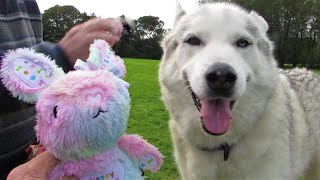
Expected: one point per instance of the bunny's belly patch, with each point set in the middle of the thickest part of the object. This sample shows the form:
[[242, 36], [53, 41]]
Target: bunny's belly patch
[[114, 171]]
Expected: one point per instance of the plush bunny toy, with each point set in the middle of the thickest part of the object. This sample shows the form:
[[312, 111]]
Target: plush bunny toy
[[82, 115]]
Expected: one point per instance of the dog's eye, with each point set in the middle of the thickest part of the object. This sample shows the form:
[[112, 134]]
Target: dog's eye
[[193, 41], [243, 43], [55, 111]]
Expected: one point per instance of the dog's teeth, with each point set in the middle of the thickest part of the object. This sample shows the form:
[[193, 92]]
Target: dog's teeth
[[196, 100]]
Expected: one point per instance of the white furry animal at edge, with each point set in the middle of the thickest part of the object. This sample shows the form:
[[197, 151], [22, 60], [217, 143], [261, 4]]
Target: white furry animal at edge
[[275, 126]]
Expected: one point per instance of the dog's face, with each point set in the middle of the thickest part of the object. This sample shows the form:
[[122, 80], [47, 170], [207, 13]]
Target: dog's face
[[216, 58]]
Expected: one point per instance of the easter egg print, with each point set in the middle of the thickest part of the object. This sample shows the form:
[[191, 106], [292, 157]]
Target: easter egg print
[[33, 77], [40, 83], [18, 68]]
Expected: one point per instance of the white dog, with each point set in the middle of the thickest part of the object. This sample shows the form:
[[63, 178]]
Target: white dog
[[234, 114]]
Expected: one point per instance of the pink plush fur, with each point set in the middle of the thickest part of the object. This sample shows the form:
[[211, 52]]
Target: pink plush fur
[[68, 94], [78, 83], [119, 61], [103, 57], [136, 147], [77, 168]]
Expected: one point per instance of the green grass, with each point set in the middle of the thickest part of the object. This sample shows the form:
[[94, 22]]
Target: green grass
[[317, 71], [149, 117]]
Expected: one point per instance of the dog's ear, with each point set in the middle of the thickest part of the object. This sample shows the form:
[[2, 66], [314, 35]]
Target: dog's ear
[[263, 25], [26, 73], [179, 11]]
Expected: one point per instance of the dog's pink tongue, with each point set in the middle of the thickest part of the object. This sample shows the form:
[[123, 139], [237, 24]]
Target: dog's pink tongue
[[216, 115]]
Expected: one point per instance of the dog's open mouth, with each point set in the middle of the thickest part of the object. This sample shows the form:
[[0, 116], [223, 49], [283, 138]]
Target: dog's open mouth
[[215, 113]]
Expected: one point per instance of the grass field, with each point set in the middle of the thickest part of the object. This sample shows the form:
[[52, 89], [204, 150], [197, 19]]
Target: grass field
[[317, 71], [148, 116]]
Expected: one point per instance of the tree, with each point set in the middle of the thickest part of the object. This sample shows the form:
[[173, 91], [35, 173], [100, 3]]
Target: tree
[[150, 31], [144, 42], [60, 19], [150, 27], [294, 27]]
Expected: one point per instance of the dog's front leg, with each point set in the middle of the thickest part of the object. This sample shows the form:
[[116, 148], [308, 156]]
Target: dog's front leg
[[180, 151]]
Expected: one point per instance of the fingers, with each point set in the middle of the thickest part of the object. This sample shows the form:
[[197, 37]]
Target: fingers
[[114, 26], [77, 41], [38, 168], [110, 38], [74, 30], [98, 28], [82, 52]]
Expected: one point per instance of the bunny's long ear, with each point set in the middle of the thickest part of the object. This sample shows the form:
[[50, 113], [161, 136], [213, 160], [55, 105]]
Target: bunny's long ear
[[26, 73], [103, 57]]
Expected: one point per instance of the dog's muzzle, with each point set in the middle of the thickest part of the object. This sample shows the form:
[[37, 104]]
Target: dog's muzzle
[[215, 108]]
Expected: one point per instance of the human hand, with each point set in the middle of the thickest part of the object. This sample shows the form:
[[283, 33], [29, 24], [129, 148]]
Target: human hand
[[38, 168], [77, 41]]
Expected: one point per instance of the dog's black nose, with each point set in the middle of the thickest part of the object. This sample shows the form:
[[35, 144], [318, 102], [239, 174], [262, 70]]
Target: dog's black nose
[[221, 78]]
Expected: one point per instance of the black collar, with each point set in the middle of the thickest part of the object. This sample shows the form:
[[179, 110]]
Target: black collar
[[222, 147]]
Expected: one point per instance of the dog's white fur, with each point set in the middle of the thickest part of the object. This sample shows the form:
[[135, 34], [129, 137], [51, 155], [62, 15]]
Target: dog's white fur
[[274, 132]]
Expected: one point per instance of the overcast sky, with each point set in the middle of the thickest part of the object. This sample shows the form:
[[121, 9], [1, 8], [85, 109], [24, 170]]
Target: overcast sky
[[164, 9]]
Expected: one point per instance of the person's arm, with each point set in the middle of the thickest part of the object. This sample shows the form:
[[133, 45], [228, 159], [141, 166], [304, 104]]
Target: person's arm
[[55, 52], [75, 45]]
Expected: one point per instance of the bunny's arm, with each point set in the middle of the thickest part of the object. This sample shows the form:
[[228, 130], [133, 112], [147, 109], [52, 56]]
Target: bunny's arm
[[146, 155]]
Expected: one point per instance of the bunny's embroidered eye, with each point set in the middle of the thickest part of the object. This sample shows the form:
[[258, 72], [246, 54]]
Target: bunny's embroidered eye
[[55, 111], [100, 111]]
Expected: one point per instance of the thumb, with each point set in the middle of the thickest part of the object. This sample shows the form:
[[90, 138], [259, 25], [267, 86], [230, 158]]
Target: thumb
[[38, 168]]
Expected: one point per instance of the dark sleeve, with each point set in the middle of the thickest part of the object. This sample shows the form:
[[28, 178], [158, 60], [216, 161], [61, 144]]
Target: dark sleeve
[[55, 52]]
